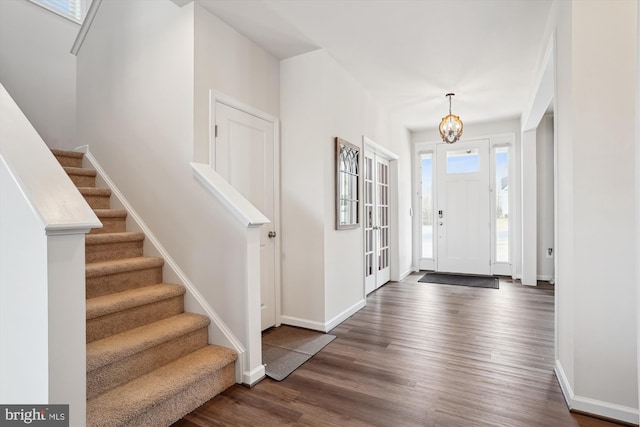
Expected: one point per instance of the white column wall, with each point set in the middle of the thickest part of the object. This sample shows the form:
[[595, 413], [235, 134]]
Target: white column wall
[[302, 190], [596, 240], [605, 312], [529, 208], [545, 220]]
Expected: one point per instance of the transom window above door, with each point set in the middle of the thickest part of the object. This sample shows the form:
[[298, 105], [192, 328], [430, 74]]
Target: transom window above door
[[463, 161]]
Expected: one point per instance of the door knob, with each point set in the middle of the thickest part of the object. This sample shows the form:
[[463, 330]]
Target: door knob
[[272, 234]]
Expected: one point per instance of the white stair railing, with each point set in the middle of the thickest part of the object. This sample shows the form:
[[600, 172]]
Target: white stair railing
[[43, 221]]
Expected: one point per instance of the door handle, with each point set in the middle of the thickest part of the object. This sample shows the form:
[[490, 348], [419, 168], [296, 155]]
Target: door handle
[[272, 234]]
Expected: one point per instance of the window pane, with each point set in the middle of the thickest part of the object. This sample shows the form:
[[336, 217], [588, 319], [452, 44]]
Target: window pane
[[427, 205], [67, 8], [463, 161], [502, 204]]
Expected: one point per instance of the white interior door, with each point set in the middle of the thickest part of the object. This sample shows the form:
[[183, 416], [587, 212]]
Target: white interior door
[[244, 155], [376, 221], [463, 212]]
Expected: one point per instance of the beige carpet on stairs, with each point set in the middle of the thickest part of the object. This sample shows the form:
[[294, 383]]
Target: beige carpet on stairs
[[148, 362]]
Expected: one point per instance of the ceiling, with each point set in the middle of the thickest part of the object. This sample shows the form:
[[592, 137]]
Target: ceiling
[[409, 53]]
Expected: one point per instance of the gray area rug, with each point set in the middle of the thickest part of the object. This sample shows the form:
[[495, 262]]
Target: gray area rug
[[285, 348], [461, 279]]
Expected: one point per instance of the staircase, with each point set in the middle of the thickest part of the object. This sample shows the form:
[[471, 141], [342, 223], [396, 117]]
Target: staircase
[[148, 362]]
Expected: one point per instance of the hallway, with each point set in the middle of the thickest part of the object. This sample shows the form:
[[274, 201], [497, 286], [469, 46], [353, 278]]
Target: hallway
[[419, 355]]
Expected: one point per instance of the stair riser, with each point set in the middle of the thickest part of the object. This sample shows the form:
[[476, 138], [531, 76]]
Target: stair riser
[[83, 180], [173, 409], [111, 283], [115, 323], [111, 225], [98, 202], [125, 370], [112, 251], [73, 162]]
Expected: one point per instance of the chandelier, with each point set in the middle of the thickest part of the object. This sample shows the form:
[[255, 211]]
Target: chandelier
[[450, 126]]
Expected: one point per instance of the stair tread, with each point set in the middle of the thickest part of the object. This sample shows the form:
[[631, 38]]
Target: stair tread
[[79, 171], [93, 191], [117, 347], [110, 213], [64, 153], [119, 301], [126, 236], [122, 403], [103, 268]]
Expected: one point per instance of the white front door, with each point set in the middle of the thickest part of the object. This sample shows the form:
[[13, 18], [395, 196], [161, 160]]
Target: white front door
[[244, 155], [376, 221], [463, 209]]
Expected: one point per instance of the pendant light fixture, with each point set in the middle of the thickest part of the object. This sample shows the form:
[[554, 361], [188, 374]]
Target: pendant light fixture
[[450, 126]]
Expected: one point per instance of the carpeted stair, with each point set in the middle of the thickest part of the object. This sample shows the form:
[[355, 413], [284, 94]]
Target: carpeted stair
[[148, 362]]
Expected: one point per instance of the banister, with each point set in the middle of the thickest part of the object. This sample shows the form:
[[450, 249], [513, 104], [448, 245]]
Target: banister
[[247, 214]]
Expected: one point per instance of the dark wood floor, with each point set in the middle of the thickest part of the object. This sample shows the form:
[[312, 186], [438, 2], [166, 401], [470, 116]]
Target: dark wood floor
[[419, 355]]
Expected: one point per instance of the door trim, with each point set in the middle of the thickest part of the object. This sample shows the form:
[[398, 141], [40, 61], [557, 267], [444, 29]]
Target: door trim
[[514, 197], [369, 146], [215, 97]]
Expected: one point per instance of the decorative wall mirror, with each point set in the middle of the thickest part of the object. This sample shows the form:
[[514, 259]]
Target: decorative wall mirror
[[347, 185]]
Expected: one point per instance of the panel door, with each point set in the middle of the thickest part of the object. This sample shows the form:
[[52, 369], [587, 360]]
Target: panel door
[[244, 155], [463, 220]]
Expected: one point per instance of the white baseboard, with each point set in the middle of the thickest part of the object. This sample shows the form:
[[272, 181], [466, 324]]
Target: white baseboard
[[344, 315], [250, 378], [545, 277], [302, 323], [320, 326], [594, 406], [407, 273]]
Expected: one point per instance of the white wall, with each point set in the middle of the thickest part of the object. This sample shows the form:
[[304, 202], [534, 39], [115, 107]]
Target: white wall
[[603, 200], [322, 268], [24, 352], [229, 63], [38, 70], [545, 228], [302, 181], [596, 275], [400, 144]]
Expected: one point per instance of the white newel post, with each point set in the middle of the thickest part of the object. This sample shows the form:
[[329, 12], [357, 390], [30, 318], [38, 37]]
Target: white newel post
[[254, 368]]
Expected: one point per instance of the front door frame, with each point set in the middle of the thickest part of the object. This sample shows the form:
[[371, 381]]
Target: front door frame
[[495, 140], [217, 97]]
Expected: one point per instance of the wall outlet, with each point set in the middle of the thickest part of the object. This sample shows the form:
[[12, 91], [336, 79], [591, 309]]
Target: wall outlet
[[549, 252]]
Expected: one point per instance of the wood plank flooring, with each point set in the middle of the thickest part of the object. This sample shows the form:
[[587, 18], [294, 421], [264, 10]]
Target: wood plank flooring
[[419, 354]]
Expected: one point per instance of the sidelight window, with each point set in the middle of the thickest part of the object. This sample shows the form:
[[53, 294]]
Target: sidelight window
[[502, 204], [426, 163]]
